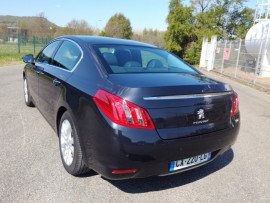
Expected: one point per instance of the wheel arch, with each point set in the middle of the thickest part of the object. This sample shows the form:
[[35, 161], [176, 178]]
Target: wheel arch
[[60, 112]]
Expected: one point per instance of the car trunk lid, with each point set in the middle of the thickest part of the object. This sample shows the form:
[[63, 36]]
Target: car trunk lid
[[196, 118], [180, 105]]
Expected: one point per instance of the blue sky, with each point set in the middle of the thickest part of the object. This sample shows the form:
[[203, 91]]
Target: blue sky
[[141, 13]]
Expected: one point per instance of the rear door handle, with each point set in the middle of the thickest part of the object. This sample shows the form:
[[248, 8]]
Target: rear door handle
[[56, 82]]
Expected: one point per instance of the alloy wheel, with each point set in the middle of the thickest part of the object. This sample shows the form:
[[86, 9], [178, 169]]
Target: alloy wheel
[[67, 142]]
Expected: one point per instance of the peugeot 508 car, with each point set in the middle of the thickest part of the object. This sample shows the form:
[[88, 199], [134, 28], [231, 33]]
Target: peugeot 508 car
[[127, 109]]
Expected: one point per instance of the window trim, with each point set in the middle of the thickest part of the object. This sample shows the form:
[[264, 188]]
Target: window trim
[[53, 54], [62, 40]]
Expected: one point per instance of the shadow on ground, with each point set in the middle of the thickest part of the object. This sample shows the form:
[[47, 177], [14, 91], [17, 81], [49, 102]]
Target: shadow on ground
[[166, 182]]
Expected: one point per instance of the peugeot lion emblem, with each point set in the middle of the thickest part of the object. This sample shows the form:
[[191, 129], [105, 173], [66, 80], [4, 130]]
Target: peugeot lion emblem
[[200, 114], [200, 117]]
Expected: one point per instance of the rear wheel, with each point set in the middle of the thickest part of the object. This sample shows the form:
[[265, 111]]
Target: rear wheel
[[27, 97], [70, 149]]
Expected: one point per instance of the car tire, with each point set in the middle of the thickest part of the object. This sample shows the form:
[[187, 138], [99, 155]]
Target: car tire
[[70, 148], [27, 96]]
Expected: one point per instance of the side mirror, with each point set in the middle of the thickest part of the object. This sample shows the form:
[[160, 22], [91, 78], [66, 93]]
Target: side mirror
[[29, 58]]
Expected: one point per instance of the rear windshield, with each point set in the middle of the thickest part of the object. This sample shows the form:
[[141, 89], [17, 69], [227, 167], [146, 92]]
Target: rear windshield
[[133, 59]]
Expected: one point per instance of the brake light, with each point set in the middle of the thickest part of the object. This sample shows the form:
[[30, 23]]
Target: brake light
[[123, 112], [235, 105]]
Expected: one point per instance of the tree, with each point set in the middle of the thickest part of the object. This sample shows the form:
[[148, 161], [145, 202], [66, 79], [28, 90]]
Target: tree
[[228, 19], [40, 26], [80, 27], [239, 23], [102, 34], [24, 29], [3, 32], [181, 27], [118, 26], [201, 5], [231, 17], [76, 27], [150, 36]]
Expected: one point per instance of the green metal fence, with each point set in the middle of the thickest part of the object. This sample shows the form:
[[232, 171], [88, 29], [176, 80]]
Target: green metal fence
[[13, 47], [19, 43]]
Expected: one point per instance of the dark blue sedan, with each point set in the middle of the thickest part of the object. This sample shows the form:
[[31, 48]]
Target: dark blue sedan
[[126, 109]]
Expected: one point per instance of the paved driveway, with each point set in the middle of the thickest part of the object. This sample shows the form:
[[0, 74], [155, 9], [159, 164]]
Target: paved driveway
[[31, 168]]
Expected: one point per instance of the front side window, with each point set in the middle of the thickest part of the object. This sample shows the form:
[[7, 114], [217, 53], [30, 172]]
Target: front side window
[[67, 55], [46, 55], [133, 59]]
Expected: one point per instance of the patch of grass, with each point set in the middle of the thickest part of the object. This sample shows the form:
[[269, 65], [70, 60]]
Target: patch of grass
[[9, 53]]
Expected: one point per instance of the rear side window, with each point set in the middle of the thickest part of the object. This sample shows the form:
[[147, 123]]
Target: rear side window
[[67, 55], [46, 55], [123, 59]]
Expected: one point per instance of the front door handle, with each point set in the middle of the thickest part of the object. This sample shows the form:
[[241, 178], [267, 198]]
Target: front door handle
[[39, 70], [56, 82]]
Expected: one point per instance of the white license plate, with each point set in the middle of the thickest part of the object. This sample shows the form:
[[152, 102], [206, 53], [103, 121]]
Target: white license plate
[[180, 164]]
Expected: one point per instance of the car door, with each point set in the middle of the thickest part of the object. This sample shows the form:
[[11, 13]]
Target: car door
[[53, 77], [32, 81], [42, 62]]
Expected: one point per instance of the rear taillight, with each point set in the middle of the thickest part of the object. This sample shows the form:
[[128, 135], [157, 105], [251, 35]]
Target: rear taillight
[[123, 112], [235, 105]]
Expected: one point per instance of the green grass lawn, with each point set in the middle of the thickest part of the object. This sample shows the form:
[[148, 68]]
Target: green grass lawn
[[9, 53]]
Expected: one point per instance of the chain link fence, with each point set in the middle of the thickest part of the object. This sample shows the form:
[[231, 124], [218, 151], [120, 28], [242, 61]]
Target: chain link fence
[[233, 59]]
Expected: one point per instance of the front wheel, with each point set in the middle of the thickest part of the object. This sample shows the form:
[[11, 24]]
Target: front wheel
[[27, 97], [70, 149]]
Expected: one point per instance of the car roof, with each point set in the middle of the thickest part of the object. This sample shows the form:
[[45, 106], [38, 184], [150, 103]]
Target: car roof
[[95, 40]]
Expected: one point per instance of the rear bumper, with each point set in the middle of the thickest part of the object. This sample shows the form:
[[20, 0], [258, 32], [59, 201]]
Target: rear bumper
[[117, 147]]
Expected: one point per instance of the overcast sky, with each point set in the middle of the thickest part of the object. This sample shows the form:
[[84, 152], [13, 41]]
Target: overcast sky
[[141, 13]]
